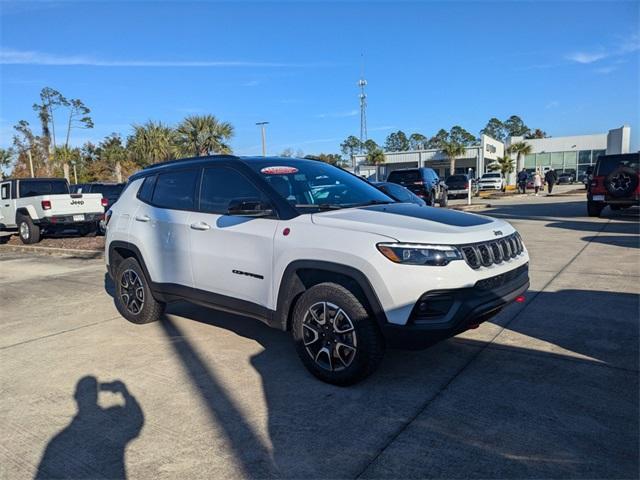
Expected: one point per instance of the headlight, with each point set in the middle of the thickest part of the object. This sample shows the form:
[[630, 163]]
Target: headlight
[[416, 254]]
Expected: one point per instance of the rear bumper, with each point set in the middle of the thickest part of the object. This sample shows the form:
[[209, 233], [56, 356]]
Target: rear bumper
[[68, 221], [633, 199], [467, 307]]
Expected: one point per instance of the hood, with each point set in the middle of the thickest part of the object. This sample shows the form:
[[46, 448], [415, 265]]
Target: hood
[[406, 222]]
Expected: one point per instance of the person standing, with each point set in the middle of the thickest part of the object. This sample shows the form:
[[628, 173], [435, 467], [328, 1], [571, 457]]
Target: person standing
[[523, 176], [537, 182], [551, 177]]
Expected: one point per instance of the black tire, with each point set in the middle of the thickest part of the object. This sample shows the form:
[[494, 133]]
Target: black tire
[[4, 239], [29, 232], [594, 209], [363, 333], [615, 208], [134, 300]]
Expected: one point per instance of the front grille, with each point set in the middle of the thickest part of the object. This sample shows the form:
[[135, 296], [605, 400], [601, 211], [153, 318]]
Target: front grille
[[493, 252], [502, 279]]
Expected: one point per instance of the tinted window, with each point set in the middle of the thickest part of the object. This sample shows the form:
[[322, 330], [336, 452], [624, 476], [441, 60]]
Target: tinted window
[[220, 185], [33, 188], [4, 191], [457, 178], [404, 176], [108, 190], [175, 190], [146, 190], [491, 175]]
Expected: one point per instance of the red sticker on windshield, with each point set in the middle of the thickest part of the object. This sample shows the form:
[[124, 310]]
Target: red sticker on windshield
[[278, 170]]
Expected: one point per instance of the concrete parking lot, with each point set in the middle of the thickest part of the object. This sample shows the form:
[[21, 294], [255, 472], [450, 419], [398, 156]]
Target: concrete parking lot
[[548, 389]]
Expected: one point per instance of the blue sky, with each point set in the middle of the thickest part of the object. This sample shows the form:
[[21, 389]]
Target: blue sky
[[568, 68]]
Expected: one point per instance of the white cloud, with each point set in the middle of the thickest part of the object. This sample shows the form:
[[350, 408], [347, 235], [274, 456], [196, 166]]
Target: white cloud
[[24, 57], [552, 104], [381, 128], [586, 57], [251, 83], [350, 113]]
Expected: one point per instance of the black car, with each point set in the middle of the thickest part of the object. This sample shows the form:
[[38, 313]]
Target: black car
[[566, 177], [399, 193], [424, 182], [110, 191], [458, 185]]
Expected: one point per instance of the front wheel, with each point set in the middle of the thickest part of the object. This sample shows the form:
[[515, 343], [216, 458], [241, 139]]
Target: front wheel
[[444, 200], [336, 339], [133, 296]]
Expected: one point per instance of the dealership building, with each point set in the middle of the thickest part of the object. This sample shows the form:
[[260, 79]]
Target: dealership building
[[564, 154]]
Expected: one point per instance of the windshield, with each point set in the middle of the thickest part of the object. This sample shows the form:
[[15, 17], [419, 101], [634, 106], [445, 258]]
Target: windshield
[[33, 188], [311, 184], [491, 175]]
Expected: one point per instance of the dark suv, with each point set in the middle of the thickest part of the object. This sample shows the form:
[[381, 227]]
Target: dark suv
[[110, 191], [424, 182], [615, 182]]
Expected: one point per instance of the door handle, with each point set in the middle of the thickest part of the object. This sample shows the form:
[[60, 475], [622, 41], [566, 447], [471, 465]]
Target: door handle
[[143, 218], [200, 226]]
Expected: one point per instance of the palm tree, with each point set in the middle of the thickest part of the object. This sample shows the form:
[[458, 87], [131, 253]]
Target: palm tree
[[200, 135], [452, 150], [503, 165], [520, 149], [152, 142], [375, 157]]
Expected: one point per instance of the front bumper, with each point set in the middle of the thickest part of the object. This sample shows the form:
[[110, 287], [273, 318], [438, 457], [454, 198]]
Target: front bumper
[[457, 310], [490, 186]]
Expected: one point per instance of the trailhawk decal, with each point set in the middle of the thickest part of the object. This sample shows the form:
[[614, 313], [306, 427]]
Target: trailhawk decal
[[440, 215]]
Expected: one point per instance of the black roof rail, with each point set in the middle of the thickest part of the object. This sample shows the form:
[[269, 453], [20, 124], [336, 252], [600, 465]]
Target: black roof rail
[[187, 159]]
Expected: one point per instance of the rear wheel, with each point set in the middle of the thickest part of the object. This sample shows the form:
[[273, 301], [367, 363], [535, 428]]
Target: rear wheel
[[29, 231], [133, 296], [336, 339], [594, 209], [89, 230]]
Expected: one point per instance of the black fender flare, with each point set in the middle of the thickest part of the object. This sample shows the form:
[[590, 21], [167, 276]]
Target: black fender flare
[[119, 244], [292, 286]]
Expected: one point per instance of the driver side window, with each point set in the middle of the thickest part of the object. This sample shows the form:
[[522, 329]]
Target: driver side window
[[221, 185]]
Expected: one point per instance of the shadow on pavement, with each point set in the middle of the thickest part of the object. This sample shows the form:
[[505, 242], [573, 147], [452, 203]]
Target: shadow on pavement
[[93, 445]]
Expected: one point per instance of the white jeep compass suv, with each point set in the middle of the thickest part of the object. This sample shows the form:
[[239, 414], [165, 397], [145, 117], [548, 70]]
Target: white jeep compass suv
[[308, 247]]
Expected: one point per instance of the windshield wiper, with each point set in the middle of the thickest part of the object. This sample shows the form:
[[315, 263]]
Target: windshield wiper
[[320, 206], [372, 202]]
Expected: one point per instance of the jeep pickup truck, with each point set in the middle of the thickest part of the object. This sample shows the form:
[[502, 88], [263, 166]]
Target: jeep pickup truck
[[37, 206]]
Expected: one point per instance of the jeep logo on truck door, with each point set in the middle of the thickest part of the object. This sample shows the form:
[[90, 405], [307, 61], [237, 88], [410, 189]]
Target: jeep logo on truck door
[[77, 202]]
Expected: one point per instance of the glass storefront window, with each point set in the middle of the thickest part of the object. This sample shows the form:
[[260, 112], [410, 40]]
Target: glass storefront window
[[570, 160], [584, 156], [557, 160], [596, 154], [530, 160], [543, 160]]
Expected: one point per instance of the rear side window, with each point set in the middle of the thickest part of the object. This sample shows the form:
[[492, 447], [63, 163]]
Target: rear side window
[[220, 185], [146, 190], [33, 188], [175, 190], [609, 163], [4, 191]]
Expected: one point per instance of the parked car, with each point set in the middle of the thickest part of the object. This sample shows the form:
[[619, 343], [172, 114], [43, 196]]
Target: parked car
[[348, 275], [492, 181], [38, 206], [566, 177], [424, 182], [399, 193], [616, 182], [458, 186], [110, 191]]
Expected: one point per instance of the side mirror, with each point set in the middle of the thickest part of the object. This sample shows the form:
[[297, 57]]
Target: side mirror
[[249, 208]]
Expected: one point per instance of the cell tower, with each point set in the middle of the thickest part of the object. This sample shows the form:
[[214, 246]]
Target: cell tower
[[363, 111]]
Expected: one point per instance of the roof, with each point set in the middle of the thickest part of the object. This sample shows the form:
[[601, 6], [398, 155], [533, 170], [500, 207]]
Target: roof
[[34, 179]]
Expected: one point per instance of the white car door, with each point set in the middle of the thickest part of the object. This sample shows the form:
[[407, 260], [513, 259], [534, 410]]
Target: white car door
[[7, 205], [231, 255], [160, 226]]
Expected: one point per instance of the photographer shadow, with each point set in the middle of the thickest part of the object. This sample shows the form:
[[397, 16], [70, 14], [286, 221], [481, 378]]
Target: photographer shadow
[[93, 444]]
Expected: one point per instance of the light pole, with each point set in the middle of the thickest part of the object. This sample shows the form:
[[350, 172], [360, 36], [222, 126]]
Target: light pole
[[264, 137]]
